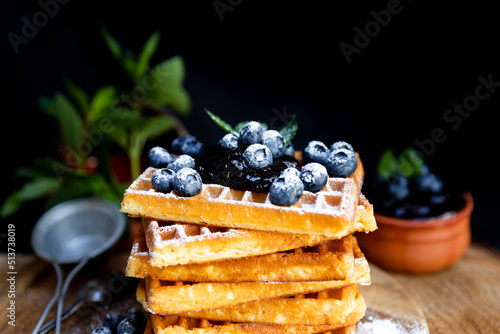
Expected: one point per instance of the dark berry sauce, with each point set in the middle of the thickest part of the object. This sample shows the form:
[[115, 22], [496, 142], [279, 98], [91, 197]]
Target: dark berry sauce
[[219, 166]]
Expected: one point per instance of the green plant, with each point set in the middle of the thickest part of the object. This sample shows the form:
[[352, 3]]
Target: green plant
[[408, 163], [90, 124]]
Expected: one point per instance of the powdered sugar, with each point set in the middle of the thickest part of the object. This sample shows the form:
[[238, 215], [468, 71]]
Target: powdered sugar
[[375, 324]]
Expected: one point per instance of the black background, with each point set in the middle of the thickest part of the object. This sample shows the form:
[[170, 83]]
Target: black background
[[257, 57]]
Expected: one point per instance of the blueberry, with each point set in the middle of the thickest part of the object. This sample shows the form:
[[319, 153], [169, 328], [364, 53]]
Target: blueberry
[[291, 170], [179, 142], [314, 176], [274, 140], [341, 144], [159, 157], [102, 330], [128, 326], [229, 142], [182, 161], [316, 151], [111, 320], [341, 163], [398, 188], [286, 190], [429, 182], [192, 148], [289, 150], [162, 179], [251, 133], [138, 316], [257, 156], [187, 182]]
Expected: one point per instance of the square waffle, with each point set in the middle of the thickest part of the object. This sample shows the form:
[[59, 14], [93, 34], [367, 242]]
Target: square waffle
[[177, 243], [167, 297], [328, 212], [328, 261]]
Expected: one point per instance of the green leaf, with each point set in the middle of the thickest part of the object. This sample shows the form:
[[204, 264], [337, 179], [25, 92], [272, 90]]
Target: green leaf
[[11, 205], [145, 56], [388, 164], [410, 163], [223, 125], [38, 188], [289, 130], [154, 127], [165, 85], [112, 44], [103, 100], [78, 95], [69, 119]]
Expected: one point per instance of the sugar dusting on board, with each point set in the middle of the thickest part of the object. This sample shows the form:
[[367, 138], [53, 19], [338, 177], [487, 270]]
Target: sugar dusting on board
[[372, 323]]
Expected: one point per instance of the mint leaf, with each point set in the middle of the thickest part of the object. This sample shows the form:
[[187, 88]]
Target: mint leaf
[[289, 130], [388, 164], [410, 163], [145, 56], [69, 119], [223, 125]]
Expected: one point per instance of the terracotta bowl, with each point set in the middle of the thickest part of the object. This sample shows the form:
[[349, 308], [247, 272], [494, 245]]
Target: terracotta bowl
[[418, 247]]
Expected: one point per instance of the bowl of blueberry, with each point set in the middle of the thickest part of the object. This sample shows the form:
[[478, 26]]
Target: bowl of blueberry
[[423, 222]]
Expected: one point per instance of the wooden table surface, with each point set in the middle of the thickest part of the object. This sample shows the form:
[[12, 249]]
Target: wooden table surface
[[461, 299]]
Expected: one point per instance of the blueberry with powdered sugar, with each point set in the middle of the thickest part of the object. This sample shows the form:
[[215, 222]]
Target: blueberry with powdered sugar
[[341, 144], [314, 176], [162, 179], [257, 156], [251, 133], [341, 163], [286, 190], [291, 170], [159, 157], [182, 161], [187, 182], [316, 151], [274, 140], [229, 142], [187, 144]]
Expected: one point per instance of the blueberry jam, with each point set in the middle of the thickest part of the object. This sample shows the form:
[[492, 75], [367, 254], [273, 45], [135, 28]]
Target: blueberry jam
[[228, 168]]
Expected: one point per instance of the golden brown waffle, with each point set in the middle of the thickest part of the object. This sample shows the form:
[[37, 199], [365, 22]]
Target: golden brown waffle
[[175, 243], [181, 324], [167, 297], [328, 212], [329, 261]]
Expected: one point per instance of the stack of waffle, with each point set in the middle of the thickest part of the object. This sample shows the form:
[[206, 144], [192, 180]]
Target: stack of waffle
[[229, 261]]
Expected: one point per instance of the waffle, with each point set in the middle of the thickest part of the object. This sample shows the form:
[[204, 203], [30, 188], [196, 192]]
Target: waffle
[[175, 243], [168, 297], [182, 324], [328, 212], [330, 261]]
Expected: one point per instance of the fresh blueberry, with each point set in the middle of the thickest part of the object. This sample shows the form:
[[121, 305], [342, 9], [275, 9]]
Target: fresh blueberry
[[138, 316], [162, 179], [111, 320], [229, 142], [286, 190], [291, 170], [289, 150], [257, 156], [341, 144], [182, 161], [192, 148], [179, 142], [341, 163], [159, 157], [102, 330], [187, 182], [314, 176], [429, 182], [251, 133], [274, 140], [398, 188], [128, 326], [316, 151]]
